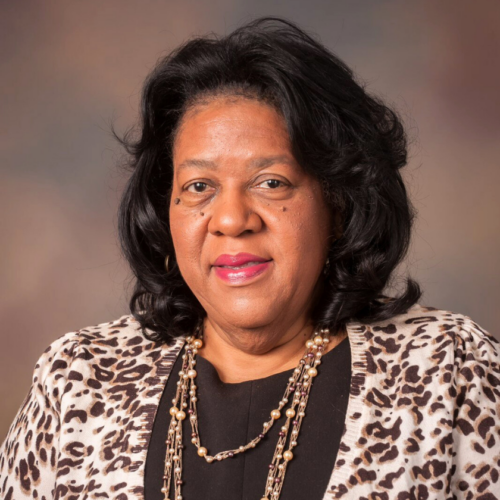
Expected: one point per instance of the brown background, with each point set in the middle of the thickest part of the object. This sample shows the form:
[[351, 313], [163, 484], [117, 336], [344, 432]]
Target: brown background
[[70, 68]]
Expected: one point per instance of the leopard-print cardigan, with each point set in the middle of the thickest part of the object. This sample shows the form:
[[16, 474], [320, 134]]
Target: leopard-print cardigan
[[423, 417]]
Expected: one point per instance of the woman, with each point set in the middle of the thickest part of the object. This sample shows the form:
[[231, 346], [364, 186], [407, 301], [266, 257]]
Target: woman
[[264, 217]]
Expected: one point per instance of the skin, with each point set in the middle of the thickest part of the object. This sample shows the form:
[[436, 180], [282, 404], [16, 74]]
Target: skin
[[231, 202]]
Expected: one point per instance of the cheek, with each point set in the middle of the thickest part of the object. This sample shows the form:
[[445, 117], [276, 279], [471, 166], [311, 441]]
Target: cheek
[[187, 235], [302, 242]]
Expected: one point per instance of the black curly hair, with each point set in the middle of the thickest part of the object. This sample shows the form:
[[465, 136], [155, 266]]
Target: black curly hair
[[349, 140]]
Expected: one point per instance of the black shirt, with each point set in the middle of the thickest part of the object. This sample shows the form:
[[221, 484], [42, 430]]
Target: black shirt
[[230, 415]]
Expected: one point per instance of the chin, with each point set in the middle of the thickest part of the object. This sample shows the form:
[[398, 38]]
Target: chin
[[249, 317]]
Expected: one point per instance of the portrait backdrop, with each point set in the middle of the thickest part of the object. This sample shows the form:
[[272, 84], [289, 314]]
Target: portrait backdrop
[[70, 69]]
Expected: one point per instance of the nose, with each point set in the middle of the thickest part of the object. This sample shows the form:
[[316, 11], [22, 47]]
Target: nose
[[232, 215]]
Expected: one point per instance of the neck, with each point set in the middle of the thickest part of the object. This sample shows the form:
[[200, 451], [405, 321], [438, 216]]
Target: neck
[[242, 355]]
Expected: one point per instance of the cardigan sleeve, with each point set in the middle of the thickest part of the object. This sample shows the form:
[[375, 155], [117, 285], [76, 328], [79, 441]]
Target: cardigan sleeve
[[476, 422], [29, 453]]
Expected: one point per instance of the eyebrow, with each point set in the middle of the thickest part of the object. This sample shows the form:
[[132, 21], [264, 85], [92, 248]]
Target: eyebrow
[[255, 164]]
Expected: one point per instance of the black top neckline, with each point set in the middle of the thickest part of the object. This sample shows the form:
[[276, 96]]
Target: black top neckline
[[230, 415]]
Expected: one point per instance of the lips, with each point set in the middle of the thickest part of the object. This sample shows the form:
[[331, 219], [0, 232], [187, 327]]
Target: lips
[[239, 268], [239, 260]]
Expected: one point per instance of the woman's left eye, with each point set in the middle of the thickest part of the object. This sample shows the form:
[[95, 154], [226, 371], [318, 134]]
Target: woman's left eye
[[272, 183]]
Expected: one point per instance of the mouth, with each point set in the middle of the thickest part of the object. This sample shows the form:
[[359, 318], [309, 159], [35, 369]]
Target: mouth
[[243, 266], [238, 260], [242, 274]]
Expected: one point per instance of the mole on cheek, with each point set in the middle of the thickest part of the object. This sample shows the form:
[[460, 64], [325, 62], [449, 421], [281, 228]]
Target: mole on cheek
[[283, 209], [177, 201]]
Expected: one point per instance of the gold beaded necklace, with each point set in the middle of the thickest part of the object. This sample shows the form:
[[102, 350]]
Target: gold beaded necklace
[[297, 391]]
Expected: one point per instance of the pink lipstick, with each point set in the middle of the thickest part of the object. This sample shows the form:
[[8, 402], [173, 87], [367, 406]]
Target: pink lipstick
[[240, 267]]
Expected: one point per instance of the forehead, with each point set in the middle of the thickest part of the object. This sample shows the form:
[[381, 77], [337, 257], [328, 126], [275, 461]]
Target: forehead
[[227, 123]]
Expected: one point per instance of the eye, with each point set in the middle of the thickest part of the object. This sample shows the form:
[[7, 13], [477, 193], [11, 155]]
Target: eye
[[198, 187], [272, 183]]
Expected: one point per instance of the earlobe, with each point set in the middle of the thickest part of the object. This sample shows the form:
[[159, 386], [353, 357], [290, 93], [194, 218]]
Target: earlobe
[[326, 268]]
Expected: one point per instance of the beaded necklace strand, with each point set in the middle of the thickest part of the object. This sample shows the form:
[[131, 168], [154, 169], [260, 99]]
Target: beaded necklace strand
[[297, 391]]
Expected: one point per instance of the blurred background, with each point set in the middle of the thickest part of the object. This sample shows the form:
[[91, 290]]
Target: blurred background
[[70, 69]]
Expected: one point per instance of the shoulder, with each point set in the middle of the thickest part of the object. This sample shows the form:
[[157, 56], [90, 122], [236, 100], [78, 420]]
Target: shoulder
[[428, 383], [98, 341], [429, 355], [94, 356], [432, 331], [91, 405]]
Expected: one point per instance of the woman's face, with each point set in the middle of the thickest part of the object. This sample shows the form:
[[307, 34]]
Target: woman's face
[[242, 192]]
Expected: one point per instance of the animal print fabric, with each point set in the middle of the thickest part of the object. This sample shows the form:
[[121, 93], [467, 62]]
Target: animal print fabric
[[422, 420]]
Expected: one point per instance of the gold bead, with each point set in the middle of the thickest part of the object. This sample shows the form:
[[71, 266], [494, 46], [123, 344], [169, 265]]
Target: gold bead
[[202, 451], [173, 410], [191, 374], [318, 340], [276, 414], [180, 415], [288, 455], [209, 459], [198, 343], [309, 344], [290, 413], [312, 372]]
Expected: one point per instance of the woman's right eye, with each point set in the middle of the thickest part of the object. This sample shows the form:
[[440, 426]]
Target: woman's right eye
[[197, 187]]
